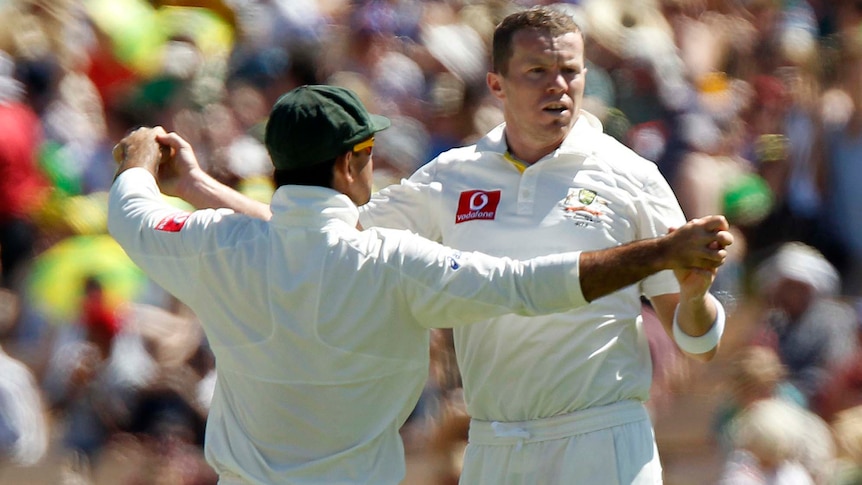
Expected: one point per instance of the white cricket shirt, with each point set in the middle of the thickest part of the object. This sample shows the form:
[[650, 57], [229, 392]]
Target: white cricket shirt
[[319, 330], [591, 193]]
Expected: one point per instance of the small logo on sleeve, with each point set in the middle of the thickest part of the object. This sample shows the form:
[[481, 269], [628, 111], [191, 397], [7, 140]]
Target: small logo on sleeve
[[477, 204], [173, 222], [454, 260]]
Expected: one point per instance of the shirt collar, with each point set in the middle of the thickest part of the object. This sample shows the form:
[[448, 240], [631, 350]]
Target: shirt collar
[[582, 136], [309, 205]]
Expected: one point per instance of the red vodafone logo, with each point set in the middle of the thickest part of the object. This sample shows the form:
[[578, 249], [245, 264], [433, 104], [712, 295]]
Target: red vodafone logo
[[477, 204], [173, 223]]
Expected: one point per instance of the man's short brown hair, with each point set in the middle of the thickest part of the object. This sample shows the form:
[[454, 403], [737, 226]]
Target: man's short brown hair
[[554, 22]]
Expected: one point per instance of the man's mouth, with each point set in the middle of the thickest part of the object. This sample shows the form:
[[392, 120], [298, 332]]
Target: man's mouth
[[555, 108]]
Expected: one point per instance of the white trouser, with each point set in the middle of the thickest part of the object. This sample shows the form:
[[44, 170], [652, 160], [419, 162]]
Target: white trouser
[[607, 445]]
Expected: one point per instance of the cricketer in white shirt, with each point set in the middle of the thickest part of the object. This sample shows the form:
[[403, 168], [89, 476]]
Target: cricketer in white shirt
[[320, 331], [590, 193]]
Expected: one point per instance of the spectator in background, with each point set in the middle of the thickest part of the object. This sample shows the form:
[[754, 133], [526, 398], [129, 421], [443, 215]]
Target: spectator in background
[[778, 443], [784, 132], [843, 152], [811, 330], [756, 374], [96, 371], [22, 185], [782, 111], [101, 321], [847, 426], [842, 388]]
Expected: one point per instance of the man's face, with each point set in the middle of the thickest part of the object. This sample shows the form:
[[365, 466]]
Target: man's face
[[543, 88], [792, 296]]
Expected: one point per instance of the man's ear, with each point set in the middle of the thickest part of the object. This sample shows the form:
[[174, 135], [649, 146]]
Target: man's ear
[[495, 84], [343, 169]]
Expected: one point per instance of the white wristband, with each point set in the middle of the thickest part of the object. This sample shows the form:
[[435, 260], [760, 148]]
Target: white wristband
[[707, 341]]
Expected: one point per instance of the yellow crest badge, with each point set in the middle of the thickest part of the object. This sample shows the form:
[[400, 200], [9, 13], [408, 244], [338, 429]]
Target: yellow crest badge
[[586, 196], [583, 203]]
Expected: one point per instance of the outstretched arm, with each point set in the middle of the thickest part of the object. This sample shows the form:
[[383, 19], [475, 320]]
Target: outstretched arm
[[694, 251], [699, 244]]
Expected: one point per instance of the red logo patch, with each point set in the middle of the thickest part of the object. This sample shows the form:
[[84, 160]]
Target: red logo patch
[[173, 223], [477, 204]]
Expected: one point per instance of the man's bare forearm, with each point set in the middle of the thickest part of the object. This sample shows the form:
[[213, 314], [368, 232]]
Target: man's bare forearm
[[204, 192], [606, 271], [699, 245]]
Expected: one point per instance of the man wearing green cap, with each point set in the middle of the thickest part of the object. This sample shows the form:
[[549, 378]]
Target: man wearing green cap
[[320, 330]]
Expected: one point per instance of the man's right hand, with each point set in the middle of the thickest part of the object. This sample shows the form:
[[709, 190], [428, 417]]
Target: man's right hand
[[694, 252], [179, 169], [700, 244]]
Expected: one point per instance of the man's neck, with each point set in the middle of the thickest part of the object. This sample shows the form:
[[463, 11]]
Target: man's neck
[[528, 156], [526, 151]]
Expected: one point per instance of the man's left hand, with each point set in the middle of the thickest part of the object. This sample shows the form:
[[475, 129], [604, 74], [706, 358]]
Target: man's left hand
[[140, 149]]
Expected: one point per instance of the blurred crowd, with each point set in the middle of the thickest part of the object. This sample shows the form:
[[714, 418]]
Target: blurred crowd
[[750, 108]]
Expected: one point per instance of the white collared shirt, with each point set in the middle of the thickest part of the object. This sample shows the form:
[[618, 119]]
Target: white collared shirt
[[591, 193], [319, 330]]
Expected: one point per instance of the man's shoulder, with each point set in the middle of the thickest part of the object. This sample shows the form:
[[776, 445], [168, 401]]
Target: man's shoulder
[[461, 158], [611, 150], [490, 143], [460, 153], [588, 135], [607, 144]]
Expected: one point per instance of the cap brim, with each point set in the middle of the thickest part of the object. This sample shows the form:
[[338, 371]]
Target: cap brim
[[380, 123]]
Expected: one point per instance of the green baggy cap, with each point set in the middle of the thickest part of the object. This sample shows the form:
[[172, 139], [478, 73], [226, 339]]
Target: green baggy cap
[[313, 124]]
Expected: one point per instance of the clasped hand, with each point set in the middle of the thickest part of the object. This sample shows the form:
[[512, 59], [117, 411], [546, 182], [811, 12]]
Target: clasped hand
[[167, 156]]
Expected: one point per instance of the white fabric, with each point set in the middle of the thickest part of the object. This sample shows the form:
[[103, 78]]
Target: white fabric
[[319, 330], [602, 445], [516, 368]]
